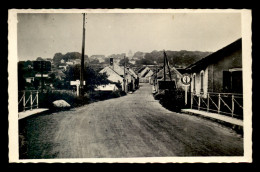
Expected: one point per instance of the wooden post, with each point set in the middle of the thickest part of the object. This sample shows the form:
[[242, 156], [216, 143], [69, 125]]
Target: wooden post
[[186, 94], [199, 103], [191, 99], [23, 100], [31, 100], [37, 99], [81, 91], [233, 105], [208, 102], [219, 103]]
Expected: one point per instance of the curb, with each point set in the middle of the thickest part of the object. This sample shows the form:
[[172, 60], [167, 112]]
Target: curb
[[237, 128]]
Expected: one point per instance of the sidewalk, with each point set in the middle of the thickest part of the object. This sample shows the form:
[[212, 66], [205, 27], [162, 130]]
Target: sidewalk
[[27, 113], [215, 116]]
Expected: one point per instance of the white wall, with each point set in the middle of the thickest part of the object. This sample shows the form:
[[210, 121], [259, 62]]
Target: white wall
[[198, 83]]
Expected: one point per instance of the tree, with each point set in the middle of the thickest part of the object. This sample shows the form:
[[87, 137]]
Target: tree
[[123, 62], [92, 78], [39, 59], [95, 61], [57, 58], [144, 62]]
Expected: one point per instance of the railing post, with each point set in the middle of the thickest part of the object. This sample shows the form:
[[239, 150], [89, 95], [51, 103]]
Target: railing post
[[31, 99], [23, 100], [207, 102], [191, 101], [199, 103], [233, 106], [219, 103], [37, 99]]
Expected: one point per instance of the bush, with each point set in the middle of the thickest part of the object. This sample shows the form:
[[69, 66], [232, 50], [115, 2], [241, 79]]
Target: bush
[[173, 100], [46, 99]]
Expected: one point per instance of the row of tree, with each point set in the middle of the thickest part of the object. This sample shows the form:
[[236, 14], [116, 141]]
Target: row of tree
[[92, 77]]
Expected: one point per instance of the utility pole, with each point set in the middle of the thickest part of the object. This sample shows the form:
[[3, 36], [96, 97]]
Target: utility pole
[[124, 76], [42, 82], [164, 72], [166, 60], [81, 88]]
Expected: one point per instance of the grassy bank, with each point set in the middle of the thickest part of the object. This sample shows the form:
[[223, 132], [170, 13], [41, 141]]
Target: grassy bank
[[46, 99]]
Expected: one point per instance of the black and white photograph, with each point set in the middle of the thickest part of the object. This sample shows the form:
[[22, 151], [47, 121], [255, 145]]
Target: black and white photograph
[[130, 85]]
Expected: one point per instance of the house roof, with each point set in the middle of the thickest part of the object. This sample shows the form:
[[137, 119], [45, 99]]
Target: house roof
[[210, 59], [106, 69], [173, 69]]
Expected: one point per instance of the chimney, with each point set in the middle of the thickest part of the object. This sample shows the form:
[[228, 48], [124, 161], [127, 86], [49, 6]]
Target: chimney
[[111, 63]]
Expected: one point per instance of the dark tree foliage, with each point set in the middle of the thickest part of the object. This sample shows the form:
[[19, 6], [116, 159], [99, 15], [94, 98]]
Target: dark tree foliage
[[24, 71], [68, 56], [95, 61], [145, 61], [91, 77], [123, 62], [176, 58]]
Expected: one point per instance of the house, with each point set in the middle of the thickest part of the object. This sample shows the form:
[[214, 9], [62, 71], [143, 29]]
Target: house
[[77, 61], [109, 87], [132, 61], [217, 79], [29, 79], [175, 76], [117, 73], [220, 72], [144, 71], [112, 75], [63, 66], [70, 63], [59, 74]]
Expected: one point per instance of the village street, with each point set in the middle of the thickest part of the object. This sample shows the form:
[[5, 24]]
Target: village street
[[135, 125]]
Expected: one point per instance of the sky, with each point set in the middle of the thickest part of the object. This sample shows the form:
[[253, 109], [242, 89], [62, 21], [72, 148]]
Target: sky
[[44, 34]]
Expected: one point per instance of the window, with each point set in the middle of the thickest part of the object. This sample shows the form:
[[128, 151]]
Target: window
[[232, 81], [201, 81]]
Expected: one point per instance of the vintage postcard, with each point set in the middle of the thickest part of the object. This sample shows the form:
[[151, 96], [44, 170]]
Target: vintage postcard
[[130, 85]]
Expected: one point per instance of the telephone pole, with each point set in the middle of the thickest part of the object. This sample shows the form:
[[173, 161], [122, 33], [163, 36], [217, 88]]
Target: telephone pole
[[81, 87], [124, 76]]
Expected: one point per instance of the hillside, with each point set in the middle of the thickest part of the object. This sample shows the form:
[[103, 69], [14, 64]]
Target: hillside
[[68, 56], [181, 58]]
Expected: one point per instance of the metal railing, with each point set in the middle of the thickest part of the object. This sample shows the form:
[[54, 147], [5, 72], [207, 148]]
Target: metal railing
[[223, 103], [28, 99]]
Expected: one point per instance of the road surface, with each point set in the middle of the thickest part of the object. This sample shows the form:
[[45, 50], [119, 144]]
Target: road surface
[[135, 125]]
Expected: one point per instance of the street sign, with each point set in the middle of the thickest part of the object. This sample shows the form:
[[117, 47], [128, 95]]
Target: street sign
[[186, 79], [77, 83]]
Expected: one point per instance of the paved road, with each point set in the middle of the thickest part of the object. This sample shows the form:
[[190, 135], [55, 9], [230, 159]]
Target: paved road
[[135, 125]]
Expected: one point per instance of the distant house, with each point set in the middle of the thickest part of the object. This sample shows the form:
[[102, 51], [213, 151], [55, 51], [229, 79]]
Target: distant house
[[69, 63], [63, 66], [77, 61], [59, 74], [175, 76], [62, 61], [132, 61], [29, 79], [144, 71], [117, 73], [109, 87]]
